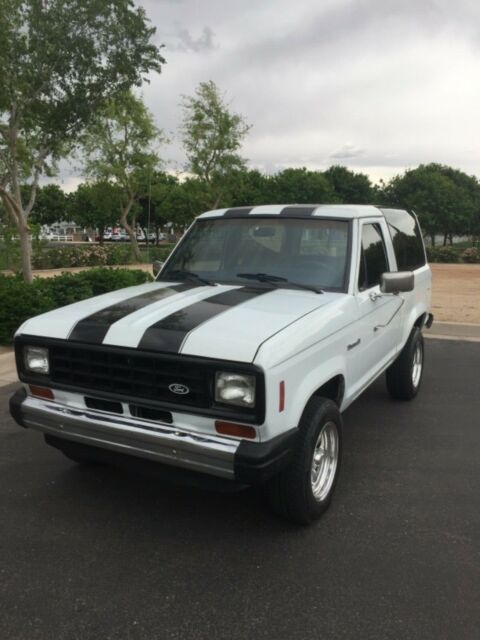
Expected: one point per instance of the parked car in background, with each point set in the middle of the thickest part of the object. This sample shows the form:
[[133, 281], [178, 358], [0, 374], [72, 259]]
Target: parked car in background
[[151, 235], [120, 236]]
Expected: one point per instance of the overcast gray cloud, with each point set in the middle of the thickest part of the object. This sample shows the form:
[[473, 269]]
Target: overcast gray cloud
[[182, 40], [378, 85]]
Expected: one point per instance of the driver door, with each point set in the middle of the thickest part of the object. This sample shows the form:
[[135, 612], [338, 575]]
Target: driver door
[[379, 319]]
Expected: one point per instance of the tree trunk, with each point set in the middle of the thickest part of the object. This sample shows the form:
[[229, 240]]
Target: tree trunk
[[19, 219], [432, 236], [26, 253], [130, 229], [217, 200], [445, 236]]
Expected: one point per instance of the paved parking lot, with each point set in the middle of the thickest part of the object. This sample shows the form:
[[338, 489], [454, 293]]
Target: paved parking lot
[[105, 553]]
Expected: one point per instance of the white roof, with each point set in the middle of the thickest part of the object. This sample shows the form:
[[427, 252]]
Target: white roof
[[346, 211]]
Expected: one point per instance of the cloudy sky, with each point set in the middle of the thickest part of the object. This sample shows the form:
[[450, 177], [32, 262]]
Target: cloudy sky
[[377, 85]]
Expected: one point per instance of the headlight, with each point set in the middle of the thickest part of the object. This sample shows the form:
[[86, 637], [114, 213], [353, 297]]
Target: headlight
[[235, 388], [36, 359]]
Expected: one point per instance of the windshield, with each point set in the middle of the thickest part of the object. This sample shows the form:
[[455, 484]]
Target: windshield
[[309, 251]]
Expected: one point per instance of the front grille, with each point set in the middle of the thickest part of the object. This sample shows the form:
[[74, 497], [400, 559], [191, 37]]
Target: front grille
[[139, 377], [130, 374]]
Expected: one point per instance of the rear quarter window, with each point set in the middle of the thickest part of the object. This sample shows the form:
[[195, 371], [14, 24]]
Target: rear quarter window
[[406, 239]]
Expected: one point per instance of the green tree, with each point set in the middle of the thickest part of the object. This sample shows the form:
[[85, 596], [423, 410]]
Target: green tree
[[247, 187], [120, 145], [96, 205], [212, 137], [445, 199], [50, 205], [60, 60], [186, 200], [301, 186], [155, 206], [349, 187]]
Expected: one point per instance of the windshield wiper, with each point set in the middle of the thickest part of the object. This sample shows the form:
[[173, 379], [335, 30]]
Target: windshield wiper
[[277, 280], [190, 275]]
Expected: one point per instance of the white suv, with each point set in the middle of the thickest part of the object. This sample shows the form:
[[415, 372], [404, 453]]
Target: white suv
[[263, 325]]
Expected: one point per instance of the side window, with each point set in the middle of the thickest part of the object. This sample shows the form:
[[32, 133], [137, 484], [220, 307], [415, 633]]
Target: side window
[[406, 239], [373, 258]]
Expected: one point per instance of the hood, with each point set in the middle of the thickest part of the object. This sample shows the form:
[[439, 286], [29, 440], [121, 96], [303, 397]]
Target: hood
[[225, 322]]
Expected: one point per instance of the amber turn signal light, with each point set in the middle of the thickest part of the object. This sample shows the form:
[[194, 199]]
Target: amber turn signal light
[[281, 396], [237, 430], [41, 392]]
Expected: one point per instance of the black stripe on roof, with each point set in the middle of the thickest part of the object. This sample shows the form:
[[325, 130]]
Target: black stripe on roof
[[297, 212], [237, 212], [168, 334], [94, 328]]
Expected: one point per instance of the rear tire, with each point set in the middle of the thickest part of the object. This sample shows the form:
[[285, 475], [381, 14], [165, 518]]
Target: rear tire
[[303, 491], [404, 376]]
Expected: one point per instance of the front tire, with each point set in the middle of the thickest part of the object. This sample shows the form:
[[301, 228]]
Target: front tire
[[404, 376], [303, 491]]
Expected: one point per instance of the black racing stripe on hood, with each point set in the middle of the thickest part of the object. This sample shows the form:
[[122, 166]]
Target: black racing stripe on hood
[[168, 334], [297, 212], [94, 328]]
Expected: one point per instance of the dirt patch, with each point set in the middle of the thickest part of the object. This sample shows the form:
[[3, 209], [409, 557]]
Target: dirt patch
[[456, 293]]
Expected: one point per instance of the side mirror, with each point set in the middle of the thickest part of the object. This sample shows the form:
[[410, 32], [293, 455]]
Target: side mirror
[[156, 267], [397, 282]]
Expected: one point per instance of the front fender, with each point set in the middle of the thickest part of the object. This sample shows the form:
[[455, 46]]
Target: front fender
[[299, 388]]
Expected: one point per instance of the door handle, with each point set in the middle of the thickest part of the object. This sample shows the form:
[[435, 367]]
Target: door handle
[[353, 345]]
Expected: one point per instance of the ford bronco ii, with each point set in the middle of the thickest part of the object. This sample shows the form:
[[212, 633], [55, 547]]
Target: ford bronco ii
[[262, 327]]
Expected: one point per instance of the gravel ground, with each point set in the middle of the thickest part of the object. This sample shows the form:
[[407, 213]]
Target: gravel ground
[[456, 293]]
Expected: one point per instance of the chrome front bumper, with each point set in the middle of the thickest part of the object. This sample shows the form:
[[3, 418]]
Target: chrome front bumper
[[144, 439]]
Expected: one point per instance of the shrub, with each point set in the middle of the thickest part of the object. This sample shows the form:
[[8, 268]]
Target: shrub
[[443, 254], [58, 257], [119, 254], [160, 253], [20, 301], [471, 255], [104, 280]]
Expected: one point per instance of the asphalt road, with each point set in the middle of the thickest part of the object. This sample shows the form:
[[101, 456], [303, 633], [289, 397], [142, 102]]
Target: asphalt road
[[105, 553]]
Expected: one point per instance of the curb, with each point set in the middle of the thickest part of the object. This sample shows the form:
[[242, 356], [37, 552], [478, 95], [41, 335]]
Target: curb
[[454, 331]]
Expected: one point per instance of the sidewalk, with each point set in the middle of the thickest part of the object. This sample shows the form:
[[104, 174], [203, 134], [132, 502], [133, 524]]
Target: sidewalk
[[8, 373], [441, 330]]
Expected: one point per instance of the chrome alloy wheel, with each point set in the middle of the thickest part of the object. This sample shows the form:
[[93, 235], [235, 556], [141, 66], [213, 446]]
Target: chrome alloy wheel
[[324, 461], [417, 365]]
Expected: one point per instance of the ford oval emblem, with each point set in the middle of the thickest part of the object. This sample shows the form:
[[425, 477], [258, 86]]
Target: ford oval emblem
[[179, 389]]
